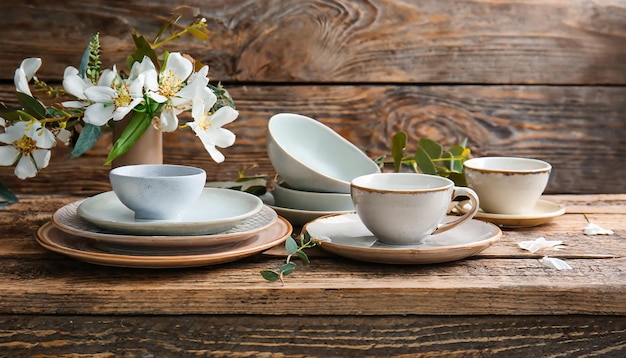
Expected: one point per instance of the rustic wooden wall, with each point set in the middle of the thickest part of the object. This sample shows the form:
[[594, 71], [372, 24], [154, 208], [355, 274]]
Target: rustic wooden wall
[[537, 78]]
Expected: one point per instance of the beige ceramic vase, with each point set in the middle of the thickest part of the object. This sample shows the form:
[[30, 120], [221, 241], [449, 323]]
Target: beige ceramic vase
[[147, 150]]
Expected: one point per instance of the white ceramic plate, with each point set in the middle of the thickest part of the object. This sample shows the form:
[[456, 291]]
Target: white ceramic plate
[[345, 235], [53, 239], [217, 210], [67, 219], [543, 212]]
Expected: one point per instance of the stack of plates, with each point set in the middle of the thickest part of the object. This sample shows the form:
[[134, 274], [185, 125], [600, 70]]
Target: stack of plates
[[224, 225]]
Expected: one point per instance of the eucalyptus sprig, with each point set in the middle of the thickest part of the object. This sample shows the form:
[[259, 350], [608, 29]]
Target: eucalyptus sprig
[[430, 158], [293, 248]]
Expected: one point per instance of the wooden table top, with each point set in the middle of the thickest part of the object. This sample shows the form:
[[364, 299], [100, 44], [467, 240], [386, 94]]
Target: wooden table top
[[502, 281]]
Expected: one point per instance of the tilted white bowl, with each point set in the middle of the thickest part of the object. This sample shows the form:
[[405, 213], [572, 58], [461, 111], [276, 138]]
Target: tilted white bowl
[[311, 156]]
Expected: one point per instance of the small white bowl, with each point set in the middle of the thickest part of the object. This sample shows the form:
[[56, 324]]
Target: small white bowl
[[157, 191], [311, 156], [287, 197]]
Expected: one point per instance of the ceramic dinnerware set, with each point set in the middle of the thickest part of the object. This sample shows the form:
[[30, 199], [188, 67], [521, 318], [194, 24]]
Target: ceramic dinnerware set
[[163, 216], [393, 217]]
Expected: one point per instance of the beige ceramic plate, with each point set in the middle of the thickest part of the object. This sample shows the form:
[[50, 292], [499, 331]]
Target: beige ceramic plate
[[67, 219], [53, 239], [345, 235], [216, 210], [543, 212]]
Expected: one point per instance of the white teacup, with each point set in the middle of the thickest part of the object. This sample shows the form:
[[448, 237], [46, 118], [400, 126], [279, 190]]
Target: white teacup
[[507, 185], [157, 191], [405, 208]]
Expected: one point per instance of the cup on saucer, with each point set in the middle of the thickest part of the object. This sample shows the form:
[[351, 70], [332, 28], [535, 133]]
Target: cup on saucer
[[157, 191], [406, 208], [507, 185]]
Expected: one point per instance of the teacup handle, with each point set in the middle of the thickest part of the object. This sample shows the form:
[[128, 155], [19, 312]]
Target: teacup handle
[[473, 197]]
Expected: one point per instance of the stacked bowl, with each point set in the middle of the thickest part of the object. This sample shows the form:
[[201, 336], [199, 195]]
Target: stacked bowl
[[315, 166]]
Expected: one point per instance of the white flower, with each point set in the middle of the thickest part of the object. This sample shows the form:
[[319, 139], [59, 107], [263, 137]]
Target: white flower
[[595, 229], [113, 97], [144, 67], [171, 81], [75, 85], [62, 135], [555, 263], [209, 129], [29, 145], [25, 73], [540, 244]]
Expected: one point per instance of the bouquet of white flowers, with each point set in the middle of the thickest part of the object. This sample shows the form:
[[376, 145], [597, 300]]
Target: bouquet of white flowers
[[154, 92]]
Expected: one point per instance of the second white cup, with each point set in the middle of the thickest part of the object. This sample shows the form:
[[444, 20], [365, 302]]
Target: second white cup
[[507, 185], [406, 208]]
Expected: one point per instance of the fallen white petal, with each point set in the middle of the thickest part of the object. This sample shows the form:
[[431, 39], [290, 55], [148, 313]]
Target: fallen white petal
[[555, 263], [594, 229], [540, 244]]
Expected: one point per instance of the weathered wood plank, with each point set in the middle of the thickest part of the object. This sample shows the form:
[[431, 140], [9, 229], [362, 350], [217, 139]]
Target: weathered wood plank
[[503, 42], [329, 287], [580, 130], [312, 336], [501, 280]]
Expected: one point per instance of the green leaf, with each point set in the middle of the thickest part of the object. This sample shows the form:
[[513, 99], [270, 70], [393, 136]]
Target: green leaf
[[291, 246], [143, 48], [31, 105], [84, 61], [432, 148], [270, 275], [256, 190], [303, 257], [454, 163], [287, 269], [13, 116], [398, 143], [86, 140], [458, 179], [135, 129], [424, 161], [199, 34], [7, 195]]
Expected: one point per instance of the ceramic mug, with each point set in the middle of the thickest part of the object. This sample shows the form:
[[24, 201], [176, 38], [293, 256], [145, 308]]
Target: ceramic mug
[[406, 208], [507, 185]]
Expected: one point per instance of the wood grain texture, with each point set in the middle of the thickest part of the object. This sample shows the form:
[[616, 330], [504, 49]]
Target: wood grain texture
[[501, 302], [383, 41], [579, 130], [502, 280], [312, 336]]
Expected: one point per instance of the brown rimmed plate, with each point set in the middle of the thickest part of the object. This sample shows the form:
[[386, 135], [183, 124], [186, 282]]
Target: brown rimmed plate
[[54, 239]]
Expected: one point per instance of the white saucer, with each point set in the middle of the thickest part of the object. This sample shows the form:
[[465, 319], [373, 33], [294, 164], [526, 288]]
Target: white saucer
[[67, 219], [543, 212], [299, 217], [345, 235], [216, 211]]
